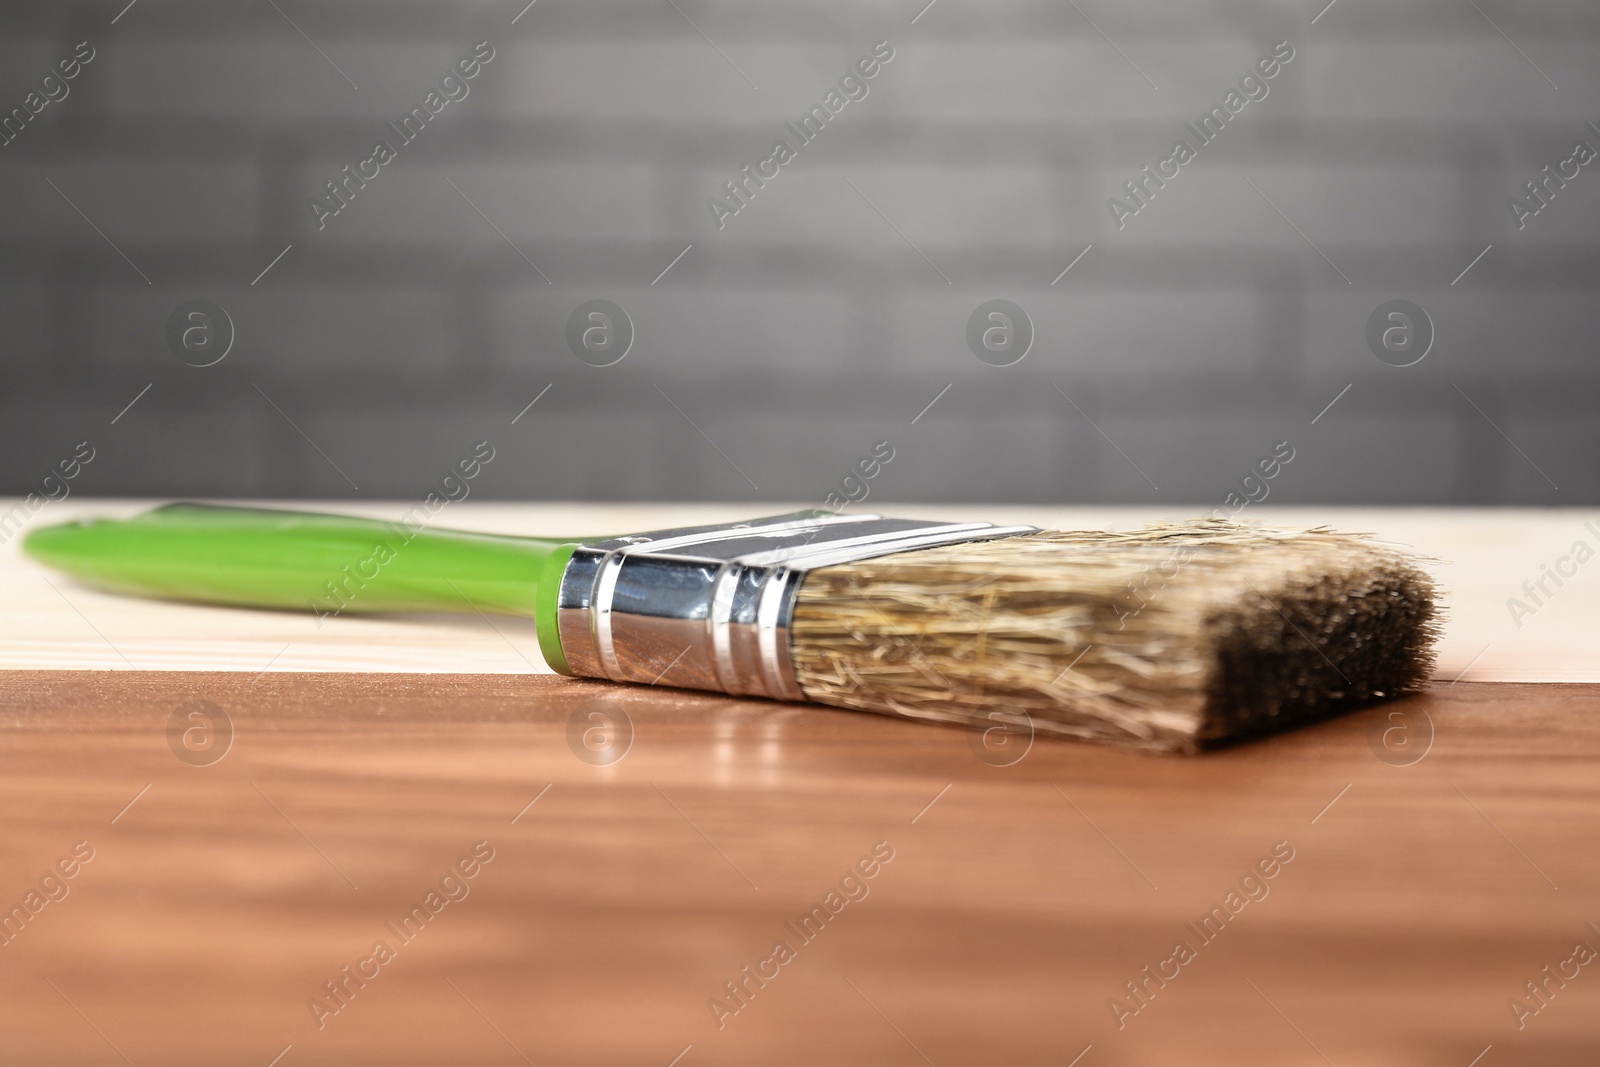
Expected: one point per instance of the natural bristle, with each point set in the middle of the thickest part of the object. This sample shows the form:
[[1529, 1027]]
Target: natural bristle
[[1173, 637]]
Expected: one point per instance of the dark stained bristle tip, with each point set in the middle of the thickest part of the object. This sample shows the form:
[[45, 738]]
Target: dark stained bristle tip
[[1174, 637]]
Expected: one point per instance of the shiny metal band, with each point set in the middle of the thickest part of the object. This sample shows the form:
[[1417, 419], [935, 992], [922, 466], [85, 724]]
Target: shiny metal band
[[709, 607]]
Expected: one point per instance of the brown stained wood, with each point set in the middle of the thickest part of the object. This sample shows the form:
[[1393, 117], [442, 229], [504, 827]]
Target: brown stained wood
[[1015, 905]]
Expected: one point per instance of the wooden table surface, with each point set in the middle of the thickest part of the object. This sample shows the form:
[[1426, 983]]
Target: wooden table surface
[[1427, 858], [1019, 899]]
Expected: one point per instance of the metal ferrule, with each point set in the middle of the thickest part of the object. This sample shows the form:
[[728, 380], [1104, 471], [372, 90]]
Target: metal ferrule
[[709, 607]]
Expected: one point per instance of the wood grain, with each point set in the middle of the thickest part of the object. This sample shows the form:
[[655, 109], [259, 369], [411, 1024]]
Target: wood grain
[[1018, 901]]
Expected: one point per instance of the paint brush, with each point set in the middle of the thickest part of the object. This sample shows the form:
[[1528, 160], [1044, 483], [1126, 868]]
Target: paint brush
[[1173, 637]]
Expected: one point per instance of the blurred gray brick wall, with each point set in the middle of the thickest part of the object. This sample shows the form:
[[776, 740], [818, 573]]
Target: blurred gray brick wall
[[830, 311]]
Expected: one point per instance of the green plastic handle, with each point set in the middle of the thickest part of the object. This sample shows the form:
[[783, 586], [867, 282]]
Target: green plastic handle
[[327, 564]]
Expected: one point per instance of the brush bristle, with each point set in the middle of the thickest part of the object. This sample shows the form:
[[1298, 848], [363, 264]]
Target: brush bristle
[[1174, 637]]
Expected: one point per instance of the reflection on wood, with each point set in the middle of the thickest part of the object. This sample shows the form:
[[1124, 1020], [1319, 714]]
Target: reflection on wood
[[409, 869]]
